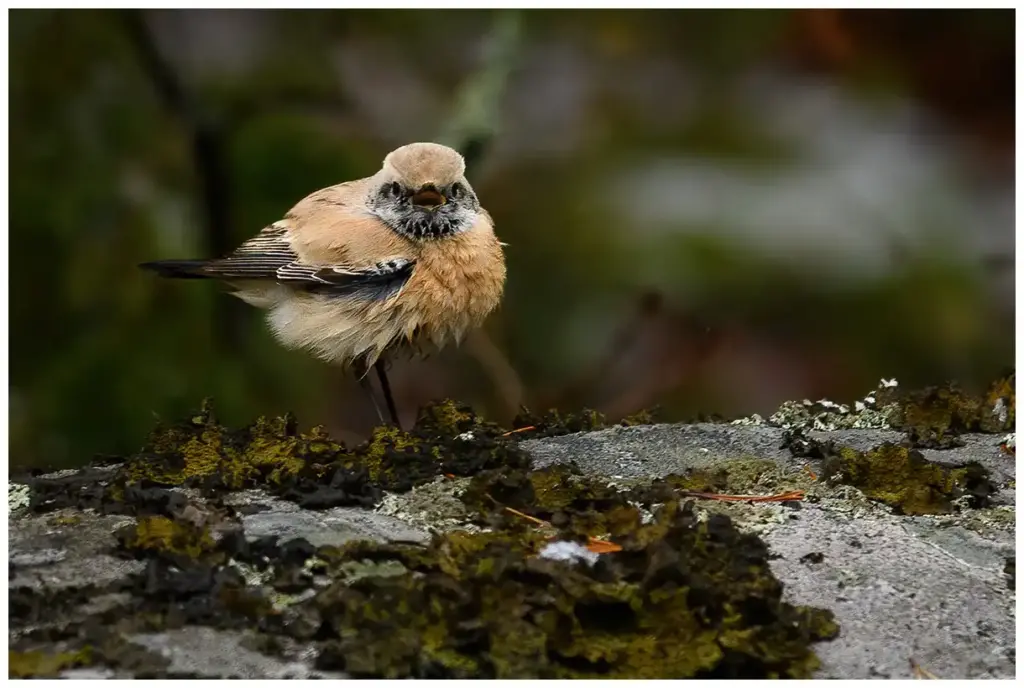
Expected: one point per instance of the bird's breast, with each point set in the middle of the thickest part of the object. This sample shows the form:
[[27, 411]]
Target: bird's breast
[[456, 284]]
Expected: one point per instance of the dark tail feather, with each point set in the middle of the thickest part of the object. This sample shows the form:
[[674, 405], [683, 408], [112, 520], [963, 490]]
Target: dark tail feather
[[180, 269]]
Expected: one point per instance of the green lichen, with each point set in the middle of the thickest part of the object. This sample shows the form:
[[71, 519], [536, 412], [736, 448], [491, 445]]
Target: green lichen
[[561, 495], [742, 475], [38, 664], [684, 598], [935, 414], [904, 479], [268, 452], [310, 468], [447, 419], [68, 520], [387, 449], [158, 535], [642, 417]]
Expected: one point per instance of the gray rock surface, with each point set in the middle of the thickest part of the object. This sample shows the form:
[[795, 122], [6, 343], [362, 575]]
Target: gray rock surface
[[926, 589], [211, 652], [929, 590]]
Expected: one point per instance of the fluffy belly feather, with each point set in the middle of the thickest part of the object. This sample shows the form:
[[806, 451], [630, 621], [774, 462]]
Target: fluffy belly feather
[[340, 331]]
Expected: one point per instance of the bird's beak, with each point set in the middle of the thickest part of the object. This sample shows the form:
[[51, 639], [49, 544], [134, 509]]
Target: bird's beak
[[429, 198]]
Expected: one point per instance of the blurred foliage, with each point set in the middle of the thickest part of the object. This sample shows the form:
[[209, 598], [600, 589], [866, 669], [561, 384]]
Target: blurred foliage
[[104, 175]]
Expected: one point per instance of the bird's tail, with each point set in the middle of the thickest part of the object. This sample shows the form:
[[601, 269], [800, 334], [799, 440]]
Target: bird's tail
[[179, 269]]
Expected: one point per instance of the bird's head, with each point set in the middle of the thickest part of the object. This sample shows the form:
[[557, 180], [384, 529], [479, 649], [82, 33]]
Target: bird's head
[[422, 193]]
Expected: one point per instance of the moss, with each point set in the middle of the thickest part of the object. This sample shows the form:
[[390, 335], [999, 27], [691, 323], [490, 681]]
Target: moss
[[904, 479], [38, 664], [157, 535], [485, 606]]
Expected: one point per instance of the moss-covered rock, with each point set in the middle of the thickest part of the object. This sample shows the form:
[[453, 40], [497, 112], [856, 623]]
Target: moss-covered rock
[[308, 468], [684, 598]]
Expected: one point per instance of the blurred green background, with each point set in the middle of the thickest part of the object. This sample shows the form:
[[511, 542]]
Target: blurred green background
[[711, 211]]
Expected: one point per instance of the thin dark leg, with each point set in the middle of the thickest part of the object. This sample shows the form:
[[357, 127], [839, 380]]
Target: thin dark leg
[[364, 382], [386, 388]]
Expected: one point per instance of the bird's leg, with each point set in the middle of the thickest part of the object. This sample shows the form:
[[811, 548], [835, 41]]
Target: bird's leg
[[361, 372], [386, 388]]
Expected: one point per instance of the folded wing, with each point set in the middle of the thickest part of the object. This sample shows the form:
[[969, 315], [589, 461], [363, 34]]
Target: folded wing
[[269, 256]]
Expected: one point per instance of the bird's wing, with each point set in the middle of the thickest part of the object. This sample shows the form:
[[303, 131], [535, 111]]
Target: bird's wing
[[270, 256]]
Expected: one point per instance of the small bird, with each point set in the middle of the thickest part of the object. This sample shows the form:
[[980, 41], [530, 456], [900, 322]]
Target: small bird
[[405, 261]]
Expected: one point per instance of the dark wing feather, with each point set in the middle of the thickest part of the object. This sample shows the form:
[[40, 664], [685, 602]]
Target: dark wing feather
[[259, 258], [376, 282], [269, 256]]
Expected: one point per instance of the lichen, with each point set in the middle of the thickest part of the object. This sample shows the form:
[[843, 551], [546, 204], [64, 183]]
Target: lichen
[[933, 417], [558, 494], [65, 520], [158, 535], [874, 410], [902, 478], [933, 414], [201, 451], [18, 496], [642, 417], [39, 664], [551, 423]]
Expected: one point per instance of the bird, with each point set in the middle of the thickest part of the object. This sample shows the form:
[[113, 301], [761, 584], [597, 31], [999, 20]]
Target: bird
[[400, 263]]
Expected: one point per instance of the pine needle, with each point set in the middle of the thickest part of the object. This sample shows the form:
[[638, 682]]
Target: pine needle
[[512, 432], [784, 497]]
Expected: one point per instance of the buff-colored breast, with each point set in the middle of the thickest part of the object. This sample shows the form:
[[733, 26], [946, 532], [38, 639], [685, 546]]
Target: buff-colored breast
[[457, 283]]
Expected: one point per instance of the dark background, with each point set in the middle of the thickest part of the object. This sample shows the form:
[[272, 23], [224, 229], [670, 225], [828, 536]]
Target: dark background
[[712, 211]]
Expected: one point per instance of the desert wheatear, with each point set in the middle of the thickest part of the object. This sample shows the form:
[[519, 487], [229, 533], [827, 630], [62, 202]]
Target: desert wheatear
[[403, 261]]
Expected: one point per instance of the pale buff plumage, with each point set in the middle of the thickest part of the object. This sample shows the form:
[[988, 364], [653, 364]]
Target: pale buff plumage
[[456, 282]]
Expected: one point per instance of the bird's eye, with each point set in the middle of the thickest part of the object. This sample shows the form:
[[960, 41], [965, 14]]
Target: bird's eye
[[456, 190], [395, 189]]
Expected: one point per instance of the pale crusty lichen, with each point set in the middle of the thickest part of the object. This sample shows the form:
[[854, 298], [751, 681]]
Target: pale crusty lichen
[[826, 415]]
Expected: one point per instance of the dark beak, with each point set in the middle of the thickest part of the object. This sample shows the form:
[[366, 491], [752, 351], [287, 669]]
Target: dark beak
[[428, 198]]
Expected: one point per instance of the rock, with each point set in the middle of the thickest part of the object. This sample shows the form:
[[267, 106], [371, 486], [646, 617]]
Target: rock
[[906, 591]]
